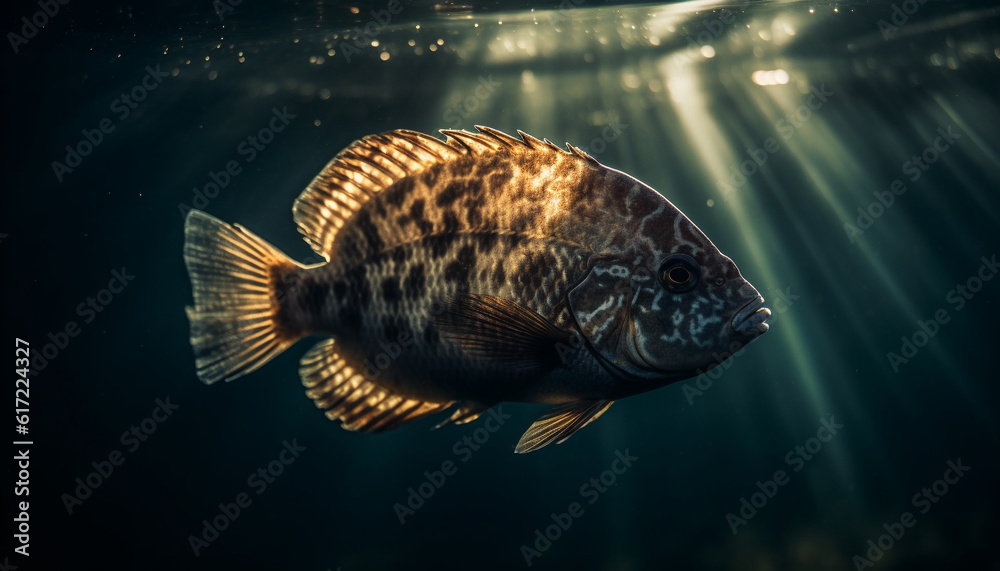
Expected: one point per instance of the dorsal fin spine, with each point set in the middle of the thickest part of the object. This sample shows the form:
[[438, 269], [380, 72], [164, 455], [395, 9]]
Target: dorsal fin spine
[[458, 142], [500, 136], [529, 140]]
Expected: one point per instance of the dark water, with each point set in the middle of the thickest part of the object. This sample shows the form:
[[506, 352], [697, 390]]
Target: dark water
[[680, 95]]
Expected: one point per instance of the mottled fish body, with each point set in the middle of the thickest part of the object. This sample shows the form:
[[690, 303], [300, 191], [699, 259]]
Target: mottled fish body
[[466, 272]]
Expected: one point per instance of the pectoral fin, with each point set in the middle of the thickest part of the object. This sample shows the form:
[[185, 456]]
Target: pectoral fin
[[505, 333], [560, 423]]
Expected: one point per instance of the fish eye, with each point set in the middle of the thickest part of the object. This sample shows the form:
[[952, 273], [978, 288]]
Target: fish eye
[[679, 273]]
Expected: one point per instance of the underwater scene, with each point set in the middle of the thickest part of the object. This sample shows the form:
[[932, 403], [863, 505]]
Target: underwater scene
[[384, 285]]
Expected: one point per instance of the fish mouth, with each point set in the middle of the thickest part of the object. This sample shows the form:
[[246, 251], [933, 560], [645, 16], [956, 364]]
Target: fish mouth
[[751, 318]]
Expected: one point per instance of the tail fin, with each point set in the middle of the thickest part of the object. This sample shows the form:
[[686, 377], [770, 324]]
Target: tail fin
[[235, 321]]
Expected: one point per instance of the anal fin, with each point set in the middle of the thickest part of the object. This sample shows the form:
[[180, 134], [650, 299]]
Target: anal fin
[[560, 423], [357, 402]]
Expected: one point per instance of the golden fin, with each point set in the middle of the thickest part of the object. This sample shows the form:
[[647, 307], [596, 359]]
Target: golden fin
[[357, 402], [376, 162], [235, 325], [466, 411], [359, 173], [560, 423]]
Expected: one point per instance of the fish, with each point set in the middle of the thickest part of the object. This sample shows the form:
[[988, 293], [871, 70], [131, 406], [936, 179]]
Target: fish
[[455, 274]]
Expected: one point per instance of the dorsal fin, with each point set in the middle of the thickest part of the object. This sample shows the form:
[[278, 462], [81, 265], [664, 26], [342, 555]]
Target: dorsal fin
[[374, 163], [358, 173]]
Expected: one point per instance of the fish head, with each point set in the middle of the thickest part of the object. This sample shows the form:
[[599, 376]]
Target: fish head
[[669, 311], [696, 312]]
